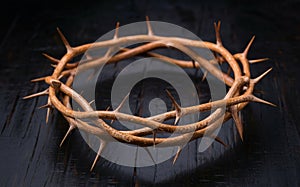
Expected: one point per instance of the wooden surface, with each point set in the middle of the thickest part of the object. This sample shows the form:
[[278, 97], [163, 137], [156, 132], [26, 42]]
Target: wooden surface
[[29, 149]]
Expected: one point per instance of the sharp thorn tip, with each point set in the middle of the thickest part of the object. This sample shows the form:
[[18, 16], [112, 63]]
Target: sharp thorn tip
[[257, 79], [177, 154], [256, 99], [71, 127], [246, 51], [258, 60]]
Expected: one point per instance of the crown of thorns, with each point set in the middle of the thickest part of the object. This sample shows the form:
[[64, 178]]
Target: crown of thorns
[[240, 92]]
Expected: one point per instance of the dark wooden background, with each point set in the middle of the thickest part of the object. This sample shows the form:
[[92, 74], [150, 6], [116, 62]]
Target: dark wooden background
[[29, 149]]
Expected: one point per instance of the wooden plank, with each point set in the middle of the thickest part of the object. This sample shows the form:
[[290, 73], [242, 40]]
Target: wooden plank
[[29, 149]]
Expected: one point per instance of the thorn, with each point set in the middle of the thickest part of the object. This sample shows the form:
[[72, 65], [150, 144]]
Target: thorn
[[122, 103], [218, 139], [112, 49], [53, 65], [45, 92], [117, 30], [88, 57], [49, 110], [112, 121], [150, 31], [237, 120], [65, 41], [92, 101], [258, 60], [38, 79], [149, 153], [81, 93], [204, 75], [51, 58], [101, 147], [120, 106], [45, 106], [177, 154], [220, 59], [154, 136], [245, 53], [257, 79], [218, 35], [55, 83], [71, 127], [176, 119], [61, 76], [177, 107], [256, 99]]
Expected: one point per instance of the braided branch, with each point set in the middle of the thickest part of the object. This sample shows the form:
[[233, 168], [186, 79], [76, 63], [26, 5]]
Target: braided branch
[[240, 93]]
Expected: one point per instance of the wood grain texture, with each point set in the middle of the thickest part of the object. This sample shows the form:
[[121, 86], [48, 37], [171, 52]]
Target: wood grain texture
[[29, 149]]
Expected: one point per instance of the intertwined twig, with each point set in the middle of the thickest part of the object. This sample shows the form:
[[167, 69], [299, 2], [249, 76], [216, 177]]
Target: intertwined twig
[[241, 86]]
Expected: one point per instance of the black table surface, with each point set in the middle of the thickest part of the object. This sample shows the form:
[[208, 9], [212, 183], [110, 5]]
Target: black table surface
[[29, 149]]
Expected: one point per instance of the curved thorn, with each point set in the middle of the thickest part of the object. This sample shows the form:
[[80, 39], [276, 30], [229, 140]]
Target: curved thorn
[[257, 79], [177, 107], [256, 99], [71, 127], [177, 154], [117, 30], [45, 92], [51, 58], [245, 53], [64, 40], [150, 31], [218, 35], [258, 60], [237, 120], [101, 147]]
